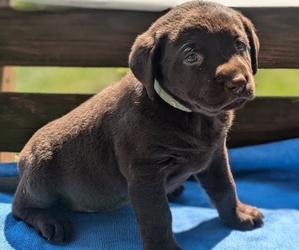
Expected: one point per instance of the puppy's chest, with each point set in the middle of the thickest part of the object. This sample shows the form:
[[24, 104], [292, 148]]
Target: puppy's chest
[[201, 134], [195, 145], [189, 160], [189, 163]]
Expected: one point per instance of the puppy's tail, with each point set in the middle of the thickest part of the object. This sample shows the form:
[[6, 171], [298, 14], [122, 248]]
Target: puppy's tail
[[9, 184]]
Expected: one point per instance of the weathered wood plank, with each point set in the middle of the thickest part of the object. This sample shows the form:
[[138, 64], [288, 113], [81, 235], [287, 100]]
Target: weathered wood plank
[[22, 114], [7, 79], [4, 3], [263, 120], [7, 83], [82, 37]]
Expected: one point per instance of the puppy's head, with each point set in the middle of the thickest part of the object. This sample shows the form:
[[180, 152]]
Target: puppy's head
[[203, 54]]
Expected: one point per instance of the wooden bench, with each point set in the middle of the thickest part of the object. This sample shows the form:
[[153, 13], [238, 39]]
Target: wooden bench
[[102, 38]]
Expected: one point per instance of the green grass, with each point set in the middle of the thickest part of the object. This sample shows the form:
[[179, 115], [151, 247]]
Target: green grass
[[22, 5], [278, 82], [65, 80]]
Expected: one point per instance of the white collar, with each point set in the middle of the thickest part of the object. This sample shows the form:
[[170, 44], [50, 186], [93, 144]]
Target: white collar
[[169, 99]]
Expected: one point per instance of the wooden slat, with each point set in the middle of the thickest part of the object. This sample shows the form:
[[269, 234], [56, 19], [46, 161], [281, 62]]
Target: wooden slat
[[7, 79], [7, 83], [22, 114], [263, 120], [82, 37], [4, 3]]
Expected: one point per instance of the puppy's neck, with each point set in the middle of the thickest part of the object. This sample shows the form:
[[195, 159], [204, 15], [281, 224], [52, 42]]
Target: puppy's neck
[[169, 99]]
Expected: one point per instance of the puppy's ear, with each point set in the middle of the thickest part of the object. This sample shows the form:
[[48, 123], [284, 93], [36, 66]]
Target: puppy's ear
[[143, 61], [253, 42]]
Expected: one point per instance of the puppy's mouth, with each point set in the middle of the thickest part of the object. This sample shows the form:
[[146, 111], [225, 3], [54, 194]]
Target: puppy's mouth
[[238, 103], [235, 103]]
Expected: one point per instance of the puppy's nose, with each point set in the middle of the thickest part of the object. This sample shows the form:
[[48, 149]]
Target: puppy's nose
[[237, 85]]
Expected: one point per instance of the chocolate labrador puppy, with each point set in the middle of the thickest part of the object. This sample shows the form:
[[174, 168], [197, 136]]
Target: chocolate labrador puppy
[[141, 138]]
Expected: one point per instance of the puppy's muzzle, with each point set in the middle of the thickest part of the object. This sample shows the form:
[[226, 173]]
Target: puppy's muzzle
[[237, 85], [235, 77]]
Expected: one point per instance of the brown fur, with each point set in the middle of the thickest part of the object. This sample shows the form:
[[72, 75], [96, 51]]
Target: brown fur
[[126, 144]]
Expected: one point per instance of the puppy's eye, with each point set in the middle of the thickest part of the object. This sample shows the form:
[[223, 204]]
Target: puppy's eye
[[191, 58], [240, 46]]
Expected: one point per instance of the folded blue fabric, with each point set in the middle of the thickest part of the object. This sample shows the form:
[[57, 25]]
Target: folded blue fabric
[[267, 176]]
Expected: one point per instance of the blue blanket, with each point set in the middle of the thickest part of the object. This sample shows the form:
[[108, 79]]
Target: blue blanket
[[267, 176]]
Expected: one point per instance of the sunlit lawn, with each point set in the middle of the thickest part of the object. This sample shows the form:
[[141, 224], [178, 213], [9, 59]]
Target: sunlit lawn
[[65, 80], [279, 82]]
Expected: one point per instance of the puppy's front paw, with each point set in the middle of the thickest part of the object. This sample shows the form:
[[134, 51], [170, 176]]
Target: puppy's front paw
[[55, 229], [245, 218], [50, 224]]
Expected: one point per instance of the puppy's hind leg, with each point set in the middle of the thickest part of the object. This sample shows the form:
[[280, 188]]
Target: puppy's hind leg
[[34, 203]]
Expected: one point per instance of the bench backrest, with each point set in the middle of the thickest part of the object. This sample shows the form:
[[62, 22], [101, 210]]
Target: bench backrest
[[102, 38]]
